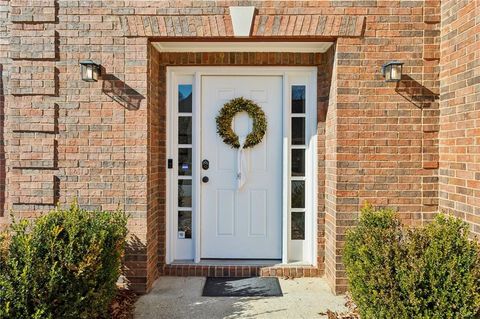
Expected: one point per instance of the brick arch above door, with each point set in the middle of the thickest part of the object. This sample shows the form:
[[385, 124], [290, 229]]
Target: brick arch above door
[[314, 27]]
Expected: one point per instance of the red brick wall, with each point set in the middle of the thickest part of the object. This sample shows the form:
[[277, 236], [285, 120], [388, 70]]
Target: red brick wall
[[331, 173], [459, 183], [4, 40], [381, 141], [2, 147], [156, 164]]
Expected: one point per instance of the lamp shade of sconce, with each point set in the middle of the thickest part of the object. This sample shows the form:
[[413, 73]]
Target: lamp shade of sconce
[[90, 71], [392, 71]]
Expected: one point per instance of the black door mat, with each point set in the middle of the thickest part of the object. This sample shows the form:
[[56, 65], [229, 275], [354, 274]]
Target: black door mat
[[242, 287]]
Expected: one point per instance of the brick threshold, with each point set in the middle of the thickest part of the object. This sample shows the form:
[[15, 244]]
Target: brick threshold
[[239, 268]]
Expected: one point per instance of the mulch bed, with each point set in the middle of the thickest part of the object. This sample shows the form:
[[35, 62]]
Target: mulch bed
[[123, 305]]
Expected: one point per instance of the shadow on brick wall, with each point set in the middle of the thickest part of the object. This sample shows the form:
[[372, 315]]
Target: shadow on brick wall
[[324, 79], [120, 92], [135, 264], [415, 93]]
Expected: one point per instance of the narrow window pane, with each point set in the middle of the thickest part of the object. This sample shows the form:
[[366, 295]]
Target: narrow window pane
[[184, 224], [184, 130], [185, 98], [298, 131], [298, 99], [184, 193], [298, 225], [185, 161], [298, 162], [298, 194]]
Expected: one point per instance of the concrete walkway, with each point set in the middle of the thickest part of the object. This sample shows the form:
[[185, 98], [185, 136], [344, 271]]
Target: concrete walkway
[[180, 297]]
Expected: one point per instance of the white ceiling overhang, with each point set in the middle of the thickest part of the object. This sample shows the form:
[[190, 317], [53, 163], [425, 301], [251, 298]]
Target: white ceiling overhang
[[201, 46]]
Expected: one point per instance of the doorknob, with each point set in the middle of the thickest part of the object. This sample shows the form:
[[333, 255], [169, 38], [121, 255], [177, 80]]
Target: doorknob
[[205, 179]]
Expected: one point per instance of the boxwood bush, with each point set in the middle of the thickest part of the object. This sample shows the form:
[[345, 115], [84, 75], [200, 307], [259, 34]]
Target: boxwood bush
[[428, 272], [63, 265]]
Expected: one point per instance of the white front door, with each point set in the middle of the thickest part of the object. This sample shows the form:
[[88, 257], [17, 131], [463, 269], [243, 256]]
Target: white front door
[[245, 222]]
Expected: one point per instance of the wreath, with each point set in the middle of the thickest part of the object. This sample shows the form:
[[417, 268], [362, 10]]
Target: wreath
[[225, 117]]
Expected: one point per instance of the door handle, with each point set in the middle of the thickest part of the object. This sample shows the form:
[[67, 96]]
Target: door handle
[[205, 179]]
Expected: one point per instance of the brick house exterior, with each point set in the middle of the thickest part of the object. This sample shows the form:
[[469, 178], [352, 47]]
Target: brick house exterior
[[412, 145]]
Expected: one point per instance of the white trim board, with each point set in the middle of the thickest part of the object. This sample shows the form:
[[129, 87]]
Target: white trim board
[[300, 47]]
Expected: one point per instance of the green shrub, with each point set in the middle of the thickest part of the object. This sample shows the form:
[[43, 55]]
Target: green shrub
[[370, 257], [430, 272], [64, 265], [441, 276]]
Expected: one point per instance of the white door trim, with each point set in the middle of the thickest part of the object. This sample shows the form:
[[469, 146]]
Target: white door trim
[[288, 73]]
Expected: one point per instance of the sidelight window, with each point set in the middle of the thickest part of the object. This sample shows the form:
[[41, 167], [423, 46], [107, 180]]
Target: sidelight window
[[184, 155], [297, 159]]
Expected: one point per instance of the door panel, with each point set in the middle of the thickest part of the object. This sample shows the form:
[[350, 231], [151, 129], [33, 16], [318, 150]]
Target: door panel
[[225, 212], [258, 213], [243, 223]]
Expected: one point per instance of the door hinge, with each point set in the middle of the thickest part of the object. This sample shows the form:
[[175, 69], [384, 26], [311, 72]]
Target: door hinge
[[170, 163]]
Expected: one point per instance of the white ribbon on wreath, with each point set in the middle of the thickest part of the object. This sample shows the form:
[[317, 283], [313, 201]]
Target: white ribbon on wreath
[[242, 168]]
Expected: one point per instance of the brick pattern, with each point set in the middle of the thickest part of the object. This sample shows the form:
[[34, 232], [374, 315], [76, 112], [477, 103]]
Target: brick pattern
[[310, 26], [32, 150], [375, 141], [32, 116], [331, 175], [33, 10], [32, 41], [156, 166], [32, 188], [103, 136], [240, 271], [430, 107], [459, 177], [307, 26], [212, 271], [325, 80], [4, 66], [32, 78]]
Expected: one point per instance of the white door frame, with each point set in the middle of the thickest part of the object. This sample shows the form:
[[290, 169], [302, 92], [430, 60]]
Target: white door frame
[[290, 77]]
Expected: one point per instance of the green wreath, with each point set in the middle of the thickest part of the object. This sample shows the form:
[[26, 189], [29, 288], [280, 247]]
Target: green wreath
[[224, 122]]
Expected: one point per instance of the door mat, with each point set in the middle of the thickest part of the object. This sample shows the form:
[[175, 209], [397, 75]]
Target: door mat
[[242, 287]]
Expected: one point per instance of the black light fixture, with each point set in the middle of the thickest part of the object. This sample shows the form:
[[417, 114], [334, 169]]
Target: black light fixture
[[392, 71], [90, 71]]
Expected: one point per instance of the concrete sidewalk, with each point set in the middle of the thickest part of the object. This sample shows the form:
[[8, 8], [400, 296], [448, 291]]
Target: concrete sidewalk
[[180, 297]]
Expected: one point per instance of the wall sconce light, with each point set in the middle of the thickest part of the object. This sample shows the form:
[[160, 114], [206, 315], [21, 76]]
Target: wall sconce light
[[90, 71], [392, 71]]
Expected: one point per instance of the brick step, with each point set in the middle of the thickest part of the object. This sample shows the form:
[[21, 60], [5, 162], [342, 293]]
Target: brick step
[[253, 270]]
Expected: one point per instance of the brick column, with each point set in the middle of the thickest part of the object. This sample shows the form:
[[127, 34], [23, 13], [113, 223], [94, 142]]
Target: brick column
[[459, 173], [430, 108], [32, 131], [381, 137], [331, 177], [343, 173], [4, 61]]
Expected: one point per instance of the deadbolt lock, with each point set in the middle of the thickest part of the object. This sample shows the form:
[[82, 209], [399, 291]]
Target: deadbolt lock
[[205, 164]]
